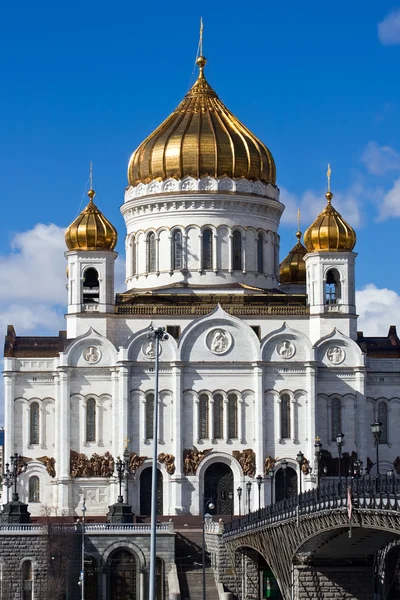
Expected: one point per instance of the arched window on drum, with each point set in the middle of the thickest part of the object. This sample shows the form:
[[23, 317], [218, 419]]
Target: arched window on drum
[[34, 425], [260, 253], [151, 252], [237, 251], [285, 416], [207, 250], [232, 416], [203, 417], [218, 416], [383, 418], [177, 251]]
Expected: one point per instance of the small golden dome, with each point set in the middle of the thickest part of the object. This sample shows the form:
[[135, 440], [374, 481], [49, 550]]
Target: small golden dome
[[329, 232], [91, 230], [201, 137], [293, 268]]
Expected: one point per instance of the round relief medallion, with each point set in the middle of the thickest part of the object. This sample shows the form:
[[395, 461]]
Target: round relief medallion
[[149, 349], [219, 341], [92, 354], [335, 355], [286, 349]]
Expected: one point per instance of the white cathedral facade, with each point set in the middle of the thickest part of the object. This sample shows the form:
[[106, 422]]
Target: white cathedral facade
[[262, 359]]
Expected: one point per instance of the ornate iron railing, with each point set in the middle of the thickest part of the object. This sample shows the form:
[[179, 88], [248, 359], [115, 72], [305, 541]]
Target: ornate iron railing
[[369, 492]]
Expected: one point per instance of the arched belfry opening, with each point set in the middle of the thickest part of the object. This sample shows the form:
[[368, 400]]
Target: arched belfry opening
[[218, 487], [145, 492], [332, 287], [91, 287], [285, 484]]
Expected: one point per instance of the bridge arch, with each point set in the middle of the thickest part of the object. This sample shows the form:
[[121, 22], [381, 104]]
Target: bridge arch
[[253, 575]]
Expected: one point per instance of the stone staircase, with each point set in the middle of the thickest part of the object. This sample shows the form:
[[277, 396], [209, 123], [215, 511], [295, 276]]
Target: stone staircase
[[188, 558]]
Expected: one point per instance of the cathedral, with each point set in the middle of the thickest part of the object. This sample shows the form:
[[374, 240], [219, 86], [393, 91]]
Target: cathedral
[[265, 384]]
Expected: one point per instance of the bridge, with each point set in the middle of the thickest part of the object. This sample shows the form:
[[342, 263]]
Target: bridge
[[338, 540]]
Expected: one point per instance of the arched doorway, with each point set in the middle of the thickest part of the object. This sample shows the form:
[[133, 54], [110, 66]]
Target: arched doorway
[[285, 484], [91, 577], [218, 485], [145, 492], [122, 576]]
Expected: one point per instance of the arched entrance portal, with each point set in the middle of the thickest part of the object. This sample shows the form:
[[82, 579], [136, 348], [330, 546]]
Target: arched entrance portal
[[218, 485], [285, 484], [145, 492], [122, 576]]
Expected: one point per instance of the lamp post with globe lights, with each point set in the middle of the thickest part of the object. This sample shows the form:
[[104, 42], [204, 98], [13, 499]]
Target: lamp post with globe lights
[[208, 504], [259, 480], [339, 444], [376, 428]]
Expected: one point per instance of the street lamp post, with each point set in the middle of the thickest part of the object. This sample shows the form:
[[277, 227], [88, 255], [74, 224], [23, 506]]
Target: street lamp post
[[120, 468], [271, 474], [83, 551], [339, 444], [156, 334], [239, 493], [299, 459], [207, 504], [259, 480], [284, 468], [318, 447], [8, 480], [376, 428], [248, 490], [126, 464], [10, 476]]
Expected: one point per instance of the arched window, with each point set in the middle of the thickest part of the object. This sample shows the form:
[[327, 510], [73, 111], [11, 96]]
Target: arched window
[[237, 251], [34, 423], [232, 416], [134, 267], [218, 416], [149, 416], [91, 420], [27, 580], [332, 287], [91, 286], [260, 253], [203, 417], [336, 414], [34, 489], [177, 250], [285, 416], [151, 253], [383, 418], [207, 240]]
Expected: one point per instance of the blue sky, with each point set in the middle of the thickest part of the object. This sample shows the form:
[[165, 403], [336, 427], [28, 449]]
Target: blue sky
[[89, 81]]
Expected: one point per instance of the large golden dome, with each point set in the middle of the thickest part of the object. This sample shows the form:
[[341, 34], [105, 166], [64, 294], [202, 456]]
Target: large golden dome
[[201, 137], [293, 268], [330, 232], [91, 230]]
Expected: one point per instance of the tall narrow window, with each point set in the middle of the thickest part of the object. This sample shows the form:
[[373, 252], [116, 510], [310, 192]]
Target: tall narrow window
[[285, 416], [203, 417], [134, 268], [332, 287], [34, 489], [232, 416], [91, 286], [91, 420], [383, 418], [149, 416], [336, 414], [177, 251], [207, 250], [34, 423], [260, 253], [151, 261], [27, 580], [218, 416], [237, 251]]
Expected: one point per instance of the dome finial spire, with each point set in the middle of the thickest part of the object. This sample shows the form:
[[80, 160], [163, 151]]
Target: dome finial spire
[[298, 234], [91, 192], [329, 194], [201, 60], [201, 37]]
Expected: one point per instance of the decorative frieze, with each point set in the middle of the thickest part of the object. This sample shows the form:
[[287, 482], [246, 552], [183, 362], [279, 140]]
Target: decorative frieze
[[192, 458], [168, 460], [95, 466], [49, 463], [247, 460]]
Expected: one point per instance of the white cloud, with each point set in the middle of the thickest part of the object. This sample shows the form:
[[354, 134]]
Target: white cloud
[[35, 269], [389, 29], [377, 309], [380, 159], [390, 204], [311, 203]]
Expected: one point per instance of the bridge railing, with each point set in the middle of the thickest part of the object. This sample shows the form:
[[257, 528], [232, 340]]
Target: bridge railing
[[369, 492]]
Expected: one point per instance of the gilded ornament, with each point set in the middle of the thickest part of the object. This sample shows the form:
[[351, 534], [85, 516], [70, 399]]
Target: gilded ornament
[[169, 461], [95, 466], [192, 458], [49, 463], [247, 460]]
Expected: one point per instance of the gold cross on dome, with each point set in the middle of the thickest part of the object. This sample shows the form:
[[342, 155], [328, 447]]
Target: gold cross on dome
[[328, 175], [201, 37], [126, 442]]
